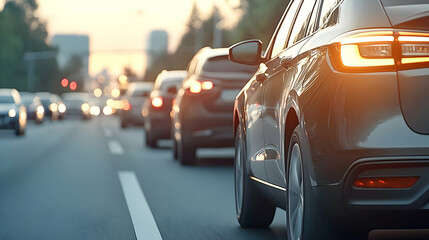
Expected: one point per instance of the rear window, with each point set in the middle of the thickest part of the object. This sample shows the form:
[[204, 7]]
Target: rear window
[[172, 82], [6, 99], [139, 92], [27, 99], [223, 64]]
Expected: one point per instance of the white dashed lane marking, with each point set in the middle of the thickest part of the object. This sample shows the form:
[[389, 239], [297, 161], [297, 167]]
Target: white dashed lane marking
[[144, 224], [115, 147]]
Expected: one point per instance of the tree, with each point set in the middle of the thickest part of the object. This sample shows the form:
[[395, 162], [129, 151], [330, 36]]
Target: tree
[[21, 31]]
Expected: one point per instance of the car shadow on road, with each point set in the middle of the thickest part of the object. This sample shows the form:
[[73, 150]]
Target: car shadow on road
[[411, 234], [7, 134], [213, 161]]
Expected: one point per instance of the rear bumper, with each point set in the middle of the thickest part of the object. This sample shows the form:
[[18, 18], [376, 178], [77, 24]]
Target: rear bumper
[[132, 116], [159, 124], [8, 123], [380, 207], [206, 128]]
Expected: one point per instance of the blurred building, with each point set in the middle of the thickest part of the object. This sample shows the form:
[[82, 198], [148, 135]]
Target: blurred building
[[73, 56], [156, 46]]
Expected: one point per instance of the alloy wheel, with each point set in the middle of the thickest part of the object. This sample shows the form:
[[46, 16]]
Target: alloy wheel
[[238, 174], [295, 194]]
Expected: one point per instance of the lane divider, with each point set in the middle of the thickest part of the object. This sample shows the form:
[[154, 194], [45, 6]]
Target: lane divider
[[143, 221], [115, 147]]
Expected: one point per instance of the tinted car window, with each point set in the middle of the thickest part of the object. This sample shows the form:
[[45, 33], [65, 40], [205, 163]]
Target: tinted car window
[[300, 27], [27, 99], [313, 24], [165, 85], [223, 64], [6, 99], [281, 38], [326, 10]]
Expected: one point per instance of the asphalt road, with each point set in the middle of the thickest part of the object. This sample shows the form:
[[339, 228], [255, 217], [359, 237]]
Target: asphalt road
[[76, 179]]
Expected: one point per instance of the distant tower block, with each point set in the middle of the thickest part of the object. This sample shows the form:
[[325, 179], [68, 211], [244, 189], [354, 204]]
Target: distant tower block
[[157, 45], [73, 50]]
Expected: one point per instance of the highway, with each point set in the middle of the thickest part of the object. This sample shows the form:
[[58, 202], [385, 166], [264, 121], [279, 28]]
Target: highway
[[75, 179]]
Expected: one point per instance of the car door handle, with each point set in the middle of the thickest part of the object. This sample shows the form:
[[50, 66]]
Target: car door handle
[[261, 77], [285, 62]]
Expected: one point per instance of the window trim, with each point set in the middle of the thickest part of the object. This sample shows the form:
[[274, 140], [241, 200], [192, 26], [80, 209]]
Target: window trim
[[302, 39], [268, 54]]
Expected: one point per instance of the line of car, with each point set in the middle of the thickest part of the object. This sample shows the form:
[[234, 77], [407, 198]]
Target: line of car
[[331, 127], [16, 108]]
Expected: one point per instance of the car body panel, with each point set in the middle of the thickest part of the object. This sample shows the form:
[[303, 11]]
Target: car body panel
[[354, 123]]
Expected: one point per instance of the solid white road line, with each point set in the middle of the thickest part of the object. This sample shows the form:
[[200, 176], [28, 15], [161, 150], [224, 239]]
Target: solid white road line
[[144, 224], [115, 147]]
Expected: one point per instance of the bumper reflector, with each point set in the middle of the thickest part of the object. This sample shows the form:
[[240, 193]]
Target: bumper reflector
[[385, 182]]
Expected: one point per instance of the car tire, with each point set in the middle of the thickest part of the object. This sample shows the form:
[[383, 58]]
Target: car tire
[[174, 149], [19, 131], [251, 208], [305, 218], [186, 151], [150, 140]]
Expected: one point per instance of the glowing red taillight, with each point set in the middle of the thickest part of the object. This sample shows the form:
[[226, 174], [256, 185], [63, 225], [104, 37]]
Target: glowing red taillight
[[207, 85], [157, 102], [127, 106], [385, 182], [381, 50], [197, 86]]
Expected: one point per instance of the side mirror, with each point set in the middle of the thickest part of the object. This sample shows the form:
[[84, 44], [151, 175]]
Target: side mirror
[[247, 52], [172, 90]]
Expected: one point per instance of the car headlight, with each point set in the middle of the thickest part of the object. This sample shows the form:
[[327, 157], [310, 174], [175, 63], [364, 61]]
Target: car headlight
[[84, 107], [53, 107], [12, 113], [94, 110], [62, 108], [40, 110]]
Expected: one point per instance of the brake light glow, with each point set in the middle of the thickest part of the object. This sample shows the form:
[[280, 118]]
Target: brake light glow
[[385, 182], [197, 86], [351, 56], [365, 50], [207, 85], [381, 51], [127, 106], [157, 102]]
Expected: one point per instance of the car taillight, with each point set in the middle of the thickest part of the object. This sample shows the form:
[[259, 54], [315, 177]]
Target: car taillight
[[127, 106], [385, 182], [207, 85], [157, 102], [414, 47], [380, 50], [197, 86]]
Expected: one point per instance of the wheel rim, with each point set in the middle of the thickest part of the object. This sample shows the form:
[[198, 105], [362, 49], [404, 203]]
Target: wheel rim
[[295, 194], [238, 175]]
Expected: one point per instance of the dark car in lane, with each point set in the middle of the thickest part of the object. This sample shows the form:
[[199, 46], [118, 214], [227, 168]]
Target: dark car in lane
[[13, 114], [201, 115], [156, 109], [62, 109], [35, 109], [334, 125], [49, 104], [77, 104], [133, 100]]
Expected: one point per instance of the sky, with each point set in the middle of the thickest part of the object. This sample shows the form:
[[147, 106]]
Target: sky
[[118, 28]]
